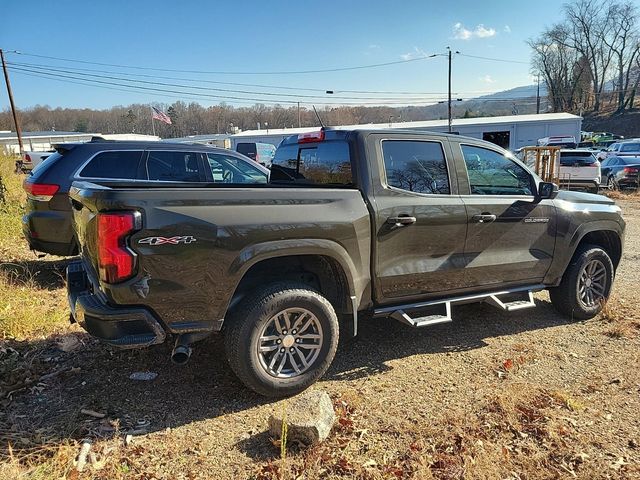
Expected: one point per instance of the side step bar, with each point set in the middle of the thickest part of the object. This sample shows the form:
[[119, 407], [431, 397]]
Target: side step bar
[[399, 312]]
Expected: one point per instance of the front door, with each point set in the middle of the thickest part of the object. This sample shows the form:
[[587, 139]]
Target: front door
[[420, 221], [511, 234]]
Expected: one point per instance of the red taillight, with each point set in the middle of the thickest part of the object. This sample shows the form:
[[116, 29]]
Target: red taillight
[[27, 158], [40, 191], [115, 261], [311, 137], [630, 170]]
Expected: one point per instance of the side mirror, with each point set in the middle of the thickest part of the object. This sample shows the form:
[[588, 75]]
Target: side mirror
[[547, 190]]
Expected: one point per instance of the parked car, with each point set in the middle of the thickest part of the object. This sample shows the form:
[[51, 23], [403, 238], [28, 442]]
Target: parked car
[[47, 220], [353, 224], [579, 169], [617, 149], [621, 172], [262, 153], [31, 160]]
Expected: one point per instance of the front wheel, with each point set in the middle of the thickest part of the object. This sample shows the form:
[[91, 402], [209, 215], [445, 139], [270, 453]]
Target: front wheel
[[281, 339], [586, 284]]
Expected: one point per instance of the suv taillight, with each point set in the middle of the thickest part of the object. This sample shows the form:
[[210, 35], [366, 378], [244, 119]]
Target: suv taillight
[[40, 191], [630, 169], [115, 261], [27, 158]]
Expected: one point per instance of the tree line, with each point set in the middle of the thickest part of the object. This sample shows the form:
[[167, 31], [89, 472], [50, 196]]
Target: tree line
[[193, 118], [593, 52]]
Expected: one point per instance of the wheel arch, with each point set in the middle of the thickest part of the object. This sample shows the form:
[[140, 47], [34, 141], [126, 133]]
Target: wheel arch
[[321, 263]]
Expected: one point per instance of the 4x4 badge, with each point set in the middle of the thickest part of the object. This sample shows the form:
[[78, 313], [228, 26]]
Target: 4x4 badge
[[153, 241]]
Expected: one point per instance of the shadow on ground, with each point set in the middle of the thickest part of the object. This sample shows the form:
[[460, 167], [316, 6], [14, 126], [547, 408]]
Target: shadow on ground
[[45, 274], [95, 377]]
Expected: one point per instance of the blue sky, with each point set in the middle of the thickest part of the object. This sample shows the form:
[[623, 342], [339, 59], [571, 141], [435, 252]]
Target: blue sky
[[270, 36]]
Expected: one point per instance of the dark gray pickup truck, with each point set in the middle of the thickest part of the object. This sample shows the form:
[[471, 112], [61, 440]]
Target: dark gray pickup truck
[[352, 224]]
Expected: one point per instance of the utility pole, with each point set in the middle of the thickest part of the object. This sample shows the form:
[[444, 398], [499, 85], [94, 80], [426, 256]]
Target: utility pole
[[13, 106], [449, 102], [538, 96]]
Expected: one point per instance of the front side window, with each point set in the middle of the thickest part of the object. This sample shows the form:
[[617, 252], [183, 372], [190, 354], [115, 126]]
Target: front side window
[[117, 165], [173, 166], [229, 169], [491, 173], [416, 166]]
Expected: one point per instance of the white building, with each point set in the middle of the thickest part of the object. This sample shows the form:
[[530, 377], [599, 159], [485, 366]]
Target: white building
[[43, 141], [511, 132]]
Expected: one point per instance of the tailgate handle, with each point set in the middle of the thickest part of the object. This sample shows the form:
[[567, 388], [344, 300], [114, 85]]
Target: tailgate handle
[[484, 218], [401, 221]]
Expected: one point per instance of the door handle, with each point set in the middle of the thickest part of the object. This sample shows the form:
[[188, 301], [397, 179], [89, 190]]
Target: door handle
[[484, 218], [401, 221]]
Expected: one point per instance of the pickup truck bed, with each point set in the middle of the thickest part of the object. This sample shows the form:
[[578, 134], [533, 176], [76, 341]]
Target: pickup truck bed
[[352, 224]]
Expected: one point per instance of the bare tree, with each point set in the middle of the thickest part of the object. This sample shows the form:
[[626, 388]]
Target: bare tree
[[587, 27], [624, 43]]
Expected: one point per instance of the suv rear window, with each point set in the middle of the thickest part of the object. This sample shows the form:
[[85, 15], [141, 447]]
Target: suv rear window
[[323, 163], [579, 159], [246, 149], [630, 147], [120, 165]]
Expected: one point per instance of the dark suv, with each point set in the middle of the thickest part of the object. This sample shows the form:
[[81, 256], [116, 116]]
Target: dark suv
[[47, 220]]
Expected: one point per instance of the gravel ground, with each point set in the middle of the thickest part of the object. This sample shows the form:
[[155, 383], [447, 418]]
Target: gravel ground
[[493, 395]]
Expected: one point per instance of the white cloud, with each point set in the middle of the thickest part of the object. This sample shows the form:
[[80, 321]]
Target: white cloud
[[487, 79], [460, 32], [373, 46], [416, 53], [507, 29]]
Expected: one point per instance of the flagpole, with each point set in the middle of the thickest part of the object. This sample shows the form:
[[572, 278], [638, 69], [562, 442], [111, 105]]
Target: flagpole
[[153, 125]]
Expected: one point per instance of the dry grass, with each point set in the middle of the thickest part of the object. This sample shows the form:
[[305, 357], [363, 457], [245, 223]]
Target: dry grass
[[32, 300]]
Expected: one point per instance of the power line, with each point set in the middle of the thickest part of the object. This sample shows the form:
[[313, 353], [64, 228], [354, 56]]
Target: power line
[[504, 60], [237, 84], [202, 95], [197, 87], [289, 72]]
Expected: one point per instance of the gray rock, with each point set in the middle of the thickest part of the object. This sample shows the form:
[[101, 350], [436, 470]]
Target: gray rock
[[309, 418]]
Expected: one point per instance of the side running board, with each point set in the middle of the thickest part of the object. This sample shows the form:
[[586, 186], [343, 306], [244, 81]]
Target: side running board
[[400, 314], [425, 321], [513, 305]]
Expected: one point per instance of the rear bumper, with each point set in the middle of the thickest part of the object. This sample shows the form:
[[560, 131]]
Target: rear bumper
[[580, 183], [124, 327], [49, 232]]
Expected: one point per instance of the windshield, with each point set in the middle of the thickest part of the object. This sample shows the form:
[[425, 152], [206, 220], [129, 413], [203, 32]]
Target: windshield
[[577, 158]]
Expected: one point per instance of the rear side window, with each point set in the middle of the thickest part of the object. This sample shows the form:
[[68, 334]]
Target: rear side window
[[324, 163], [120, 165], [416, 166], [173, 166], [53, 158]]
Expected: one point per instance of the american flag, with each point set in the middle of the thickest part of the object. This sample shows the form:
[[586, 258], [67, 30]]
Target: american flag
[[160, 115]]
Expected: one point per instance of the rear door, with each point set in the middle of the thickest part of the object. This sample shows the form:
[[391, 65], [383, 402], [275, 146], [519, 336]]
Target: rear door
[[511, 234], [420, 221]]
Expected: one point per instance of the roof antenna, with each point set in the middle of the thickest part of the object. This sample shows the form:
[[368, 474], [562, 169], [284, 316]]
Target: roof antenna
[[318, 116]]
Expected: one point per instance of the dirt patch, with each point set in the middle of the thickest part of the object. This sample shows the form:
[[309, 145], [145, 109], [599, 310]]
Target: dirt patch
[[518, 395]]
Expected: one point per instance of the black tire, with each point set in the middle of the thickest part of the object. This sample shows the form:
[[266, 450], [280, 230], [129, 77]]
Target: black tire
[[566, 296], [593, 190], [611, 183], [255, 313]]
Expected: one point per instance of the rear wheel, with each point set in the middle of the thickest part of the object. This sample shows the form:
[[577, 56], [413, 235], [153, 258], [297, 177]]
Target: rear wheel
[[281, 339], [586, 284], [611, 183]]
